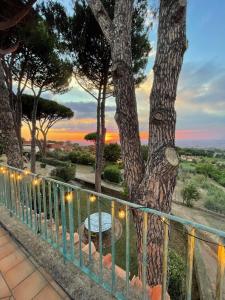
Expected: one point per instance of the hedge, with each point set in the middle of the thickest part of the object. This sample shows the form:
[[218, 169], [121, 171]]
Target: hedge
[[54, 162], [66, 173], [82, 157], [112, 174]]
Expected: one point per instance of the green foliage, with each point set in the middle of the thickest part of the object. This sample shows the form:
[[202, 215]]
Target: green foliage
[[53, 162], [190, 193], [215, 198], [112, 152], [195, 152], [144, 152], [66, 173], [48, 110], [38, 60], [187, 167], [213, 171], [176, 275], [82, 157], [59, 155], [91, 137], [112, 174]]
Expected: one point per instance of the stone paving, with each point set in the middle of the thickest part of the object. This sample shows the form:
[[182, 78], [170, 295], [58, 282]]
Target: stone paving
[[20, 276]]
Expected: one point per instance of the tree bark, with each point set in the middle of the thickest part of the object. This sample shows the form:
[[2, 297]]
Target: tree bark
[[7, 130], [33, 136], [97, 145], [151, 185]]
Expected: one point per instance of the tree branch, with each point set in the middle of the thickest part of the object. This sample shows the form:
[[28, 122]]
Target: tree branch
[[103, 19], [18, 17], [9, 50]]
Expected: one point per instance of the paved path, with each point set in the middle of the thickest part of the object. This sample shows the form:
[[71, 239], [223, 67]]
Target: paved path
[[87, 174], [21, 278]]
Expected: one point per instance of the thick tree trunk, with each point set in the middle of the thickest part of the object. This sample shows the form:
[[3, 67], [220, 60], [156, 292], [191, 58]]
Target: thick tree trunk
[[33, 136], [157, 186], [7, 129], [151, 186]]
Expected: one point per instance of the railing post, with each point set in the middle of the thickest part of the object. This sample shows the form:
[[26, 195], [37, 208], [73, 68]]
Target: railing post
[[79, 228], [190, 262], [165, 258], [220, 270], [56, 213], [89, 228], [71, 222], [127, 249], [113, 246], [144, 254], [100, 239], [50, 209], [63, 220]]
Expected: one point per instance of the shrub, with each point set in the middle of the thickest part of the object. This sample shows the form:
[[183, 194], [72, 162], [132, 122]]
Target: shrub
[[112, 173], [42, 165], [190, 193], [215, 199], [82, 157], [112, 152], [59, 155], [176, 275], [65, 173], [54, 162]]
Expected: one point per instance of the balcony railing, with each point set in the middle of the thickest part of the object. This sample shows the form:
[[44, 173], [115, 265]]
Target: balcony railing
[[56, 211]]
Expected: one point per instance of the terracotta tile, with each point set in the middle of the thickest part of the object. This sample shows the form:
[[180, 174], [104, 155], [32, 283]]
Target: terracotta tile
[[30, 287], [4, 290], [58, 289], [4, 239], [11, 260], [48, 293], [7, 249], [18, 273], [2, 232]]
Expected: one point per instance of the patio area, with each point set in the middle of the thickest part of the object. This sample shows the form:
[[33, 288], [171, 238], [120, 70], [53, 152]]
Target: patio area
[[20, 276]]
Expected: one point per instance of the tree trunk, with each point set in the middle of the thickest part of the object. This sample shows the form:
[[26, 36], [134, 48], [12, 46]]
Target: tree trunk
[[151, 185], [7, 129], [33, 135], [157, 187], [44, 144], [97, 146]]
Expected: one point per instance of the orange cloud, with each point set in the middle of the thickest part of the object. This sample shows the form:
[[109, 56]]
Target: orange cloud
[[113, 136]]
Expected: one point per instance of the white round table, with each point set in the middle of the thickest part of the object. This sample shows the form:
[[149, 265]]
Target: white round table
[[106, 222]]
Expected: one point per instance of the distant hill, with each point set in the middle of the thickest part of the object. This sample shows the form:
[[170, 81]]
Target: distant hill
[[206, 144]]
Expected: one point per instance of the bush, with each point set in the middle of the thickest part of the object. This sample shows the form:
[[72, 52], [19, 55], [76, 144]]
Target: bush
[[59, 155], [82, 157], [112, 152], [190, 193], [176, 275], [215, 199], [43, 165], [65, 173], [54, 162], [112, 174]]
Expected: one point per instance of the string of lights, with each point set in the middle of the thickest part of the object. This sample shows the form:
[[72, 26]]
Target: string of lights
[[92, 199]]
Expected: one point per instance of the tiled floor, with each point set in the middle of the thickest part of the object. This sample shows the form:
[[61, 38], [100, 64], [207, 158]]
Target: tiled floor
[[20, 276]]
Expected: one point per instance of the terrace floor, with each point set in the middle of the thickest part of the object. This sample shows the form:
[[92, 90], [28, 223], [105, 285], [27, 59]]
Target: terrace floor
[[20, 276]]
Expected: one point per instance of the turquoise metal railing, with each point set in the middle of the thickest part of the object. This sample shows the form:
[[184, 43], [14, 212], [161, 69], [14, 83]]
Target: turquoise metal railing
[[56, 211]]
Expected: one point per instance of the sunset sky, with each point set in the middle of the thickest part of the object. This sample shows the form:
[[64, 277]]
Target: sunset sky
[[200, 101]]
